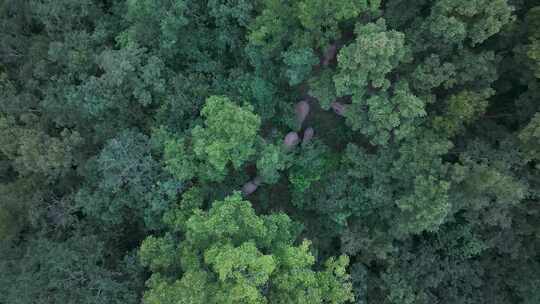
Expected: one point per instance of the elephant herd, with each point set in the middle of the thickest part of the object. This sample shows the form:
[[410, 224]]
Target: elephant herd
[[302, 109]]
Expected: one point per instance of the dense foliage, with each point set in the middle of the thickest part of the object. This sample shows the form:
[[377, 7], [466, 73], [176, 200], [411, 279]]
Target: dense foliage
[[270, 151]]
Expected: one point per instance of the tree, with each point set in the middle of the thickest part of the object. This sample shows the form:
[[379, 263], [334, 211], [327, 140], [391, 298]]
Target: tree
[[33, 151], [323, 88], [366, 62], [272, 161], [299, 63], [118, 180], [69, 271], [529, 137], [363, 68], [227, 138], [395, 116], [154, 23], [229, 134], [232, 255], [533, 49]]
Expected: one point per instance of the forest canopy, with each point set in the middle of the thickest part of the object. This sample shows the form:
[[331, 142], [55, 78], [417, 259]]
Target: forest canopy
[[269, 151]]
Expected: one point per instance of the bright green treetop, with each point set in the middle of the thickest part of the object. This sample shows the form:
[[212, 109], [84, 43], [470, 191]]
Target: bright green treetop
[[228, 137], [232, 255]]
